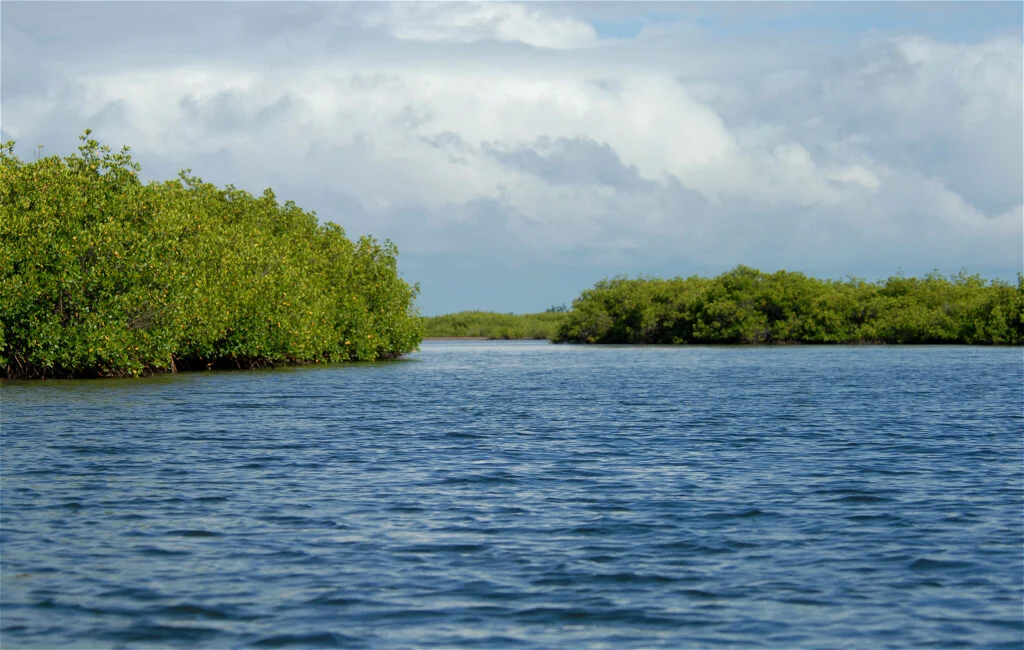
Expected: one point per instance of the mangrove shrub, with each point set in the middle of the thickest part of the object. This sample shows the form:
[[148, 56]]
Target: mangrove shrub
[[747, 306], [102, 274], [494, 325]]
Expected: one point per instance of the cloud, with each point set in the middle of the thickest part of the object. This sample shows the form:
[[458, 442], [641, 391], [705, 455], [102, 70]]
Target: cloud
[[509, 134], [531, 24], [571, 161]]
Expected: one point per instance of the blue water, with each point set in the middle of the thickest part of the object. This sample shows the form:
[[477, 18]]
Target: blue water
[[524, 495]]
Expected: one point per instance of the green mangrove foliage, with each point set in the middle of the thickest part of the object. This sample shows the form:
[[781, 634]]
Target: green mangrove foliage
[[101, 274], [493, 325], [747, 306]]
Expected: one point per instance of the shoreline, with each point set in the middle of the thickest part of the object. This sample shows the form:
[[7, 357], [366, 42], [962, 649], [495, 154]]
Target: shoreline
[[477, 338]]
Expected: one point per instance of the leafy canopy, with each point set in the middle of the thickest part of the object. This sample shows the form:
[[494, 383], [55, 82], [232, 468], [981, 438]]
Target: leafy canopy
[[747, 306], [101, 274]]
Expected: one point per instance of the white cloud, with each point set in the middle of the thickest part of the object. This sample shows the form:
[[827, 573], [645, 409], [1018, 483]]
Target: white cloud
[[469, 22], [437, 133], [854, 174]]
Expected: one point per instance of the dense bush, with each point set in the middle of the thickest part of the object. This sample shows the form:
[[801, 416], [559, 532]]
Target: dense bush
[[493, 325], [747, 306], [101, 274]]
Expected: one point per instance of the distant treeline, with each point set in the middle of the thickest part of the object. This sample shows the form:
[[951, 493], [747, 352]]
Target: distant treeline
[[493, 325], [101, 274], [747, 306]]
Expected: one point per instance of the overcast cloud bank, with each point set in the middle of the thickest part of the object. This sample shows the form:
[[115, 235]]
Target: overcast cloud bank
[[518, 152]]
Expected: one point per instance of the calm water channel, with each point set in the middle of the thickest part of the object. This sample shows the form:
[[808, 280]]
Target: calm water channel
[[486, 494]]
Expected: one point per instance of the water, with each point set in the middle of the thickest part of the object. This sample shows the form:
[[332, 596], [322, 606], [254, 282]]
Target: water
[[522, 494]]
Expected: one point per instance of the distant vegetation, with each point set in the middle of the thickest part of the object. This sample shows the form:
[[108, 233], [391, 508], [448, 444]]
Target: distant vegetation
[[101, 274], [747, 306], [492, 325]]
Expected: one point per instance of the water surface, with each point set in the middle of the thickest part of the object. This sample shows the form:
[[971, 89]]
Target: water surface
[[484, 494]]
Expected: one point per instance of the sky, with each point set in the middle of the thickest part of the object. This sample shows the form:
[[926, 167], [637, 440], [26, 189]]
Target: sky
[[517, 153]]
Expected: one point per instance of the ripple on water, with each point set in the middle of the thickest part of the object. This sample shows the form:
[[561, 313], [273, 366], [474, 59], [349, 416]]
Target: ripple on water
[[521, 494]]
